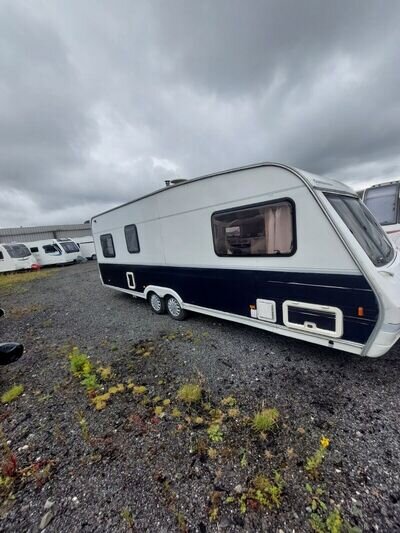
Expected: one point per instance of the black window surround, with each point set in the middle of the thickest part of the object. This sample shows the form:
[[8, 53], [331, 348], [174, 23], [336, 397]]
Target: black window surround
[[107, 245], [132, 239], [289, 201]]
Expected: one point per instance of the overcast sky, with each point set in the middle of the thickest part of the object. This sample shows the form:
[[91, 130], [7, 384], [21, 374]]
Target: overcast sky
[[101, 101]]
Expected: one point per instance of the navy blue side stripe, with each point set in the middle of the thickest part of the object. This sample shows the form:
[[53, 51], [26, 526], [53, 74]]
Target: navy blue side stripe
[[233, 290]]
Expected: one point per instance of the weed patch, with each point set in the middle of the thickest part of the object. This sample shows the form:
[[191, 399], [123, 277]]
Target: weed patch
[[314, 462], [12, 394], [21, 312], [10, 282], [190, 393], [265, 420], [214, 433]]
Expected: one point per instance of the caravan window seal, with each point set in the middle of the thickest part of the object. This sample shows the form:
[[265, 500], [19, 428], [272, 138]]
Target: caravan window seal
[[104, 245], [255, 205], [135, 249]]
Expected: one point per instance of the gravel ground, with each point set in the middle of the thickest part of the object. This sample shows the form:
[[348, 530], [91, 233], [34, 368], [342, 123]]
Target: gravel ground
[[132, 467]]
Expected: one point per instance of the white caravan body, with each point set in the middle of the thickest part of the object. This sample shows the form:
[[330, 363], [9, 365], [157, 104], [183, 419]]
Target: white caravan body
[[54, 251], [15, 256], [86, 246], [383, 200], [267, 245]]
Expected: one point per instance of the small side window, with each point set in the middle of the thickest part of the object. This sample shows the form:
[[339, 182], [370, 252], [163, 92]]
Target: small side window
[[34, 249], [1, 255], [132, 239], [107, 245]]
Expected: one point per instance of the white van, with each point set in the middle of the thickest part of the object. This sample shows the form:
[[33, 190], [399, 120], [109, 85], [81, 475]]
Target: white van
[[267, 245], [86, 246], [54, 251], [15, 256]]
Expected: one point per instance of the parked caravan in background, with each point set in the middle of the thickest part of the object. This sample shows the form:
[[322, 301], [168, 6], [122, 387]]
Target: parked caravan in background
[[383, 200], [15, 256], [86, 247], [54, 251], [70, 248], [267, 245]]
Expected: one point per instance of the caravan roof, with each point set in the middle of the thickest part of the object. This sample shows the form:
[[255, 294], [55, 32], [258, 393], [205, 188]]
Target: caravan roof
[[311, 180]]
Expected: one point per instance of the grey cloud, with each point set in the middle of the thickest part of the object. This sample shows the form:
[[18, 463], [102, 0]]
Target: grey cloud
[[100, 102]]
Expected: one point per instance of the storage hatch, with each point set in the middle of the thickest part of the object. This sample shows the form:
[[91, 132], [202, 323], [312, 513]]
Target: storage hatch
[[314, 318]]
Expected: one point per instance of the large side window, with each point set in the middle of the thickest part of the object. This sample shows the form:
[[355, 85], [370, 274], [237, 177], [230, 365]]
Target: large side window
[[382, 201], [107, 245], [132, 239], [260, 230], [363, 226]]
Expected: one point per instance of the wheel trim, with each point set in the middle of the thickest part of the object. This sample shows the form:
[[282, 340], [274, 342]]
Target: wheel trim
[[174, 307], [155, 301]]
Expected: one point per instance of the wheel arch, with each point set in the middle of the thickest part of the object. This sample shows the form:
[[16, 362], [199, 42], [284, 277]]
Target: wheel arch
[[162, 292]]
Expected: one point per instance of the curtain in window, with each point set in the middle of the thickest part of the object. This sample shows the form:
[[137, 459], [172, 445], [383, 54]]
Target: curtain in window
[[278, 229]]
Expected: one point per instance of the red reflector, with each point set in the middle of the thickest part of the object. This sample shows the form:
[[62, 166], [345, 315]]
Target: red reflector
[[360, 311]]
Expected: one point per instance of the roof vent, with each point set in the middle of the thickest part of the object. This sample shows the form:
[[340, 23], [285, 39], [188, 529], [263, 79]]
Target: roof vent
[[176, 181]]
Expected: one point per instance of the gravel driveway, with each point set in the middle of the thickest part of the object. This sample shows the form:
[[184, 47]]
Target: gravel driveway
[[148, 461]]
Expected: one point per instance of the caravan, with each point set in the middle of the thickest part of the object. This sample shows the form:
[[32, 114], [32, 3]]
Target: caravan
[[86, 246], [267, 245], [383, 200], [15, 256], [54, 251]]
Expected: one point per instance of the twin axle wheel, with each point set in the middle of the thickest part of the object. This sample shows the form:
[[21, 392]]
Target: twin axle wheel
[[168, 304]]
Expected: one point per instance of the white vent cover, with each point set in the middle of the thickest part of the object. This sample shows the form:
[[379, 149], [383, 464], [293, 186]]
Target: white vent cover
[[266, 310]]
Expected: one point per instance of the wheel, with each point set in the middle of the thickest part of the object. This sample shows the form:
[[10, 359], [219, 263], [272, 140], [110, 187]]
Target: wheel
[[174, 309], [157, 304], [93, 257]]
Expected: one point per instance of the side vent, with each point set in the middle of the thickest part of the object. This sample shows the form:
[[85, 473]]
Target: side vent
[[314, 318], [131, 280], [266, 310]]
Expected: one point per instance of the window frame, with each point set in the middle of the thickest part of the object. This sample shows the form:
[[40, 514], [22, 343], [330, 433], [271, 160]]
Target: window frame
[[397, 207], [385, 236], [256, 205], [112, 242], [137, 238]]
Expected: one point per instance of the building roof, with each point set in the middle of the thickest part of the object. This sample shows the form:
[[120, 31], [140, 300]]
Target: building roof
[[37, 233]]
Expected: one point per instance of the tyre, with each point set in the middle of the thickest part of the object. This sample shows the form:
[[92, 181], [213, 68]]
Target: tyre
[[157, 304], [174, 309]]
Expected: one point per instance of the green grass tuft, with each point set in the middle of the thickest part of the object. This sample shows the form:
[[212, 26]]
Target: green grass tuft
[[12, 394], [189, 393], [265, 420], [80, 363]]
